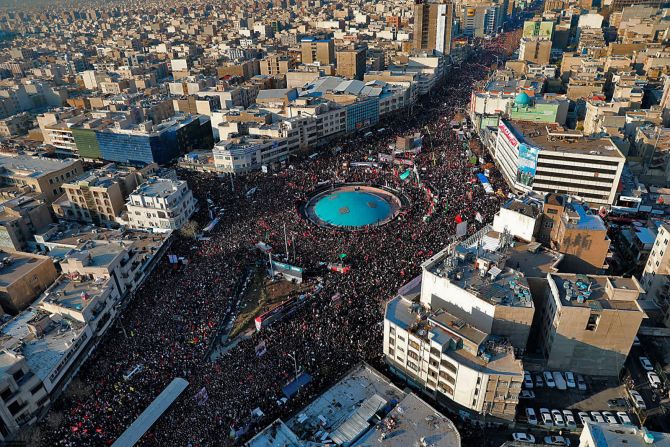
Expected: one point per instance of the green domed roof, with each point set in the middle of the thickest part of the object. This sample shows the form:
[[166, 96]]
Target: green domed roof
[[522, 99]]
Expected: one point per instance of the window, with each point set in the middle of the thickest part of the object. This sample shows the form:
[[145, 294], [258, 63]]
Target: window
[[6, 394], [592, 324], [413, 355], [36, 389], [412, 365], [414, 345]]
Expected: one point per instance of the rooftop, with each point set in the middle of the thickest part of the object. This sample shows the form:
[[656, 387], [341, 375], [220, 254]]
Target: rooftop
[[74, 292], [33, 167], [44, 350], [16, 265], [158, 187], [614, 436], [412, 419], [553, 137], [598, 292]]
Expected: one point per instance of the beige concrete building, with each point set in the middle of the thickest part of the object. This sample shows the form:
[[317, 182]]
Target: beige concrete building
[[588, 323], [23, 276], [42, 175], [535, 50], [317, 50], [16, 125], [276, 65], [351, 63], [433, 23], [21, 217], [99, 196], [570, 228]]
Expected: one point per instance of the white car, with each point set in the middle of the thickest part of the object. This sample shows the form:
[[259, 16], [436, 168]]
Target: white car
[[570, 380], [558, 418], [546, 417], [597, 417], [637, 399], [584, 417], [549, 379], [527, 380], [524, 437], [654, 380], [623, 417], [556, 440], [646, 364], [531, 416], [569, 419], [609, 418], [581, 383], [526, 394]]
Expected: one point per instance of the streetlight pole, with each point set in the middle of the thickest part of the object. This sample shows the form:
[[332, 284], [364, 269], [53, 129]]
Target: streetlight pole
[[295, 365]]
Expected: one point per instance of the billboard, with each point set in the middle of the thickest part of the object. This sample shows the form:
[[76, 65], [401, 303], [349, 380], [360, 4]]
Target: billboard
[[527, 166]]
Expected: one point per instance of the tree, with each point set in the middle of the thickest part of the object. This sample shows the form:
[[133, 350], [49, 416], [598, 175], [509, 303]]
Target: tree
[[189, 229]]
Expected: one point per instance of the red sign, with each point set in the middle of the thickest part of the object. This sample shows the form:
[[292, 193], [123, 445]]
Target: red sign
[[511, 139]]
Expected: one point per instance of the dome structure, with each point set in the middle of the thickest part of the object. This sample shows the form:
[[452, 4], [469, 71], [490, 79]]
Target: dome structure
[[522, 99]]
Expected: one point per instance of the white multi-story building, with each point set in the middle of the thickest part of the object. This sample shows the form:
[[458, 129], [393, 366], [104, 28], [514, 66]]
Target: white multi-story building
[[454, 330], [549, 159], [160, 205], [656, 275]]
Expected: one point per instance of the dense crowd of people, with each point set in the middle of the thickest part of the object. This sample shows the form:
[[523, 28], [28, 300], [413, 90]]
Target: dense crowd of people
[[174, 318]]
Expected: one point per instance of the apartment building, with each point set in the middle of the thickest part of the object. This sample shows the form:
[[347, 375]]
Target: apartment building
[[99, 195], [433, 23], [23, 277], [535, 50], [351, 63], [587, 324], [569, 227], [276, 65], [160, 205], [314, 50], [41, 175], [656, 274], [454, 330], [549, 159], [21, 217]]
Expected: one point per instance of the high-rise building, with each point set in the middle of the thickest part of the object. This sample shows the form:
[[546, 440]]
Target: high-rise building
[[536, 50], [433, 24], [317, 50], [351, 63]]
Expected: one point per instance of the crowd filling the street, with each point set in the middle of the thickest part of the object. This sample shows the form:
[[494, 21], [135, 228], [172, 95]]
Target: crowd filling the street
[[172, 322]]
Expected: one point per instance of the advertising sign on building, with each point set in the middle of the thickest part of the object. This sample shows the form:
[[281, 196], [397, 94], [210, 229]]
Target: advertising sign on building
[[527, 164], [508, 135]]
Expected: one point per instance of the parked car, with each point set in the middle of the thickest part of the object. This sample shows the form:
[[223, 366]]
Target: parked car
[[618, 402], [654, 380], [636, 341], [549, 379], [569, 419], [526, 438], [527, 380], [597, 417], [559, 380], [609, 418], [584, 417], [556, 440], [558, 418], [637, 399], [531, 416], [624, 418], [581, 383], [539, 383], [546, 417], [646, 363], [526, 394], [570, 380]]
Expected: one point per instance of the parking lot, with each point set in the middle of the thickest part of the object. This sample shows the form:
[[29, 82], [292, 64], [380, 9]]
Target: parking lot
[[595, 398]]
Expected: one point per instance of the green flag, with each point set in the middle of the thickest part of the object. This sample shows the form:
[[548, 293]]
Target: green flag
[[343, 255]]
